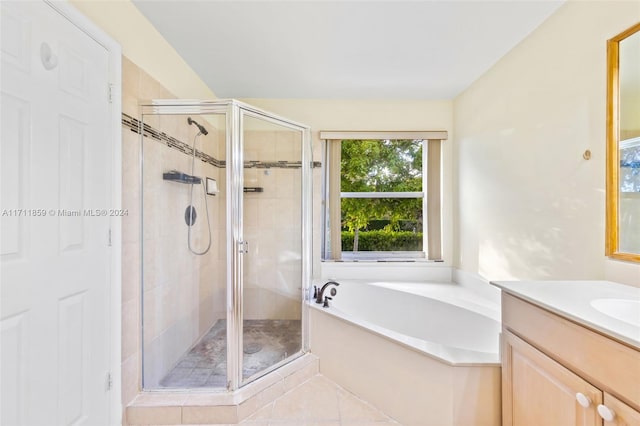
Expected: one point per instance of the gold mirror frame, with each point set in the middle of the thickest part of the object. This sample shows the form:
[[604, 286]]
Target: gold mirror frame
[[613, 151]]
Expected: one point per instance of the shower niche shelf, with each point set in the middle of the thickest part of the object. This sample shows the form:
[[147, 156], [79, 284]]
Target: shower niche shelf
[[176, 176]]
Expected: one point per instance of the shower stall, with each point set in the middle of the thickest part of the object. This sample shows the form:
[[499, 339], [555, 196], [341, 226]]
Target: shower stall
[[226, 217]]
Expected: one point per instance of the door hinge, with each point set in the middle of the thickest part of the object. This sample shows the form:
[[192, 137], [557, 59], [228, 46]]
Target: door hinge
[[109, 237], [109, 381], [110, 91]]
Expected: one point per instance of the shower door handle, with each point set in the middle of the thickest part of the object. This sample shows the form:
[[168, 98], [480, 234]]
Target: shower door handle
[[243, 247]]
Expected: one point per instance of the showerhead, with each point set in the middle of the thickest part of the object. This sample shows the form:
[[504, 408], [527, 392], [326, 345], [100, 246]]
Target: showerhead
[[199, 126]]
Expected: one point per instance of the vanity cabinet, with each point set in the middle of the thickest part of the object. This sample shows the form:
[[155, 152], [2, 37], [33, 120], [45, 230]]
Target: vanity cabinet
[[540, 391], [624, 415], [558, 373]]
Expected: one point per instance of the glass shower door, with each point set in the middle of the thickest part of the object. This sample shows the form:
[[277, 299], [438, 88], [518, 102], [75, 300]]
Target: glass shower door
[[184, 283], [272, 266]]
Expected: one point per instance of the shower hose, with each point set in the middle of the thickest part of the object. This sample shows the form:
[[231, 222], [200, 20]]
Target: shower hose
[[206, 204]]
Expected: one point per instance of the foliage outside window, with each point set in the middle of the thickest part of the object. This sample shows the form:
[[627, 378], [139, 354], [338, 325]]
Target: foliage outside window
[[392, 222]]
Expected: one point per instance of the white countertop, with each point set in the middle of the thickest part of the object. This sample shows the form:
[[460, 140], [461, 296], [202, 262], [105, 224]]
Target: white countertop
[[572, 300]]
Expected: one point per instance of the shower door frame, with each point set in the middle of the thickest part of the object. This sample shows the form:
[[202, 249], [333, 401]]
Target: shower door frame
[[245, 110], [234, 111]]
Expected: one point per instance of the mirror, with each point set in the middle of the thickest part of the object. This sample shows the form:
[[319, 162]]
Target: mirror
[[623, 145]]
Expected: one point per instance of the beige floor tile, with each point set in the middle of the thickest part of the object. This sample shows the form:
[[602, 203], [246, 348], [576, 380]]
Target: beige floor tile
[[318, 402], [261, 416], [320, 397], [290, 406], [354, 409]]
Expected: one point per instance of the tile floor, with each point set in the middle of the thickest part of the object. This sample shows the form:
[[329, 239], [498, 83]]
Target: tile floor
[[318, 402], [266, 342]]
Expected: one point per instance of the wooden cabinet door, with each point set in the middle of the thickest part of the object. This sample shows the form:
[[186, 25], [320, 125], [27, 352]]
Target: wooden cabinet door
[[624, 415], [538, 391]]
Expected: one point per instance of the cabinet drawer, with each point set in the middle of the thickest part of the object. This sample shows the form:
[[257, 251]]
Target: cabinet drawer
[[612, 366]]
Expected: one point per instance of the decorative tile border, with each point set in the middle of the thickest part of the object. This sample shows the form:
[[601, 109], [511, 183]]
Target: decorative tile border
[[134, 125]]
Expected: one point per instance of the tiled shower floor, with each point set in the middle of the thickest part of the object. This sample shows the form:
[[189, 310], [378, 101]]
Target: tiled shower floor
[[266, 342]]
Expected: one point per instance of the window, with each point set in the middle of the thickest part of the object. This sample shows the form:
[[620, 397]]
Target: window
[[382, 195]]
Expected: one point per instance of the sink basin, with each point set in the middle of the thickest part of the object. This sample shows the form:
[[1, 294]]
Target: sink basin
[[621, 309]]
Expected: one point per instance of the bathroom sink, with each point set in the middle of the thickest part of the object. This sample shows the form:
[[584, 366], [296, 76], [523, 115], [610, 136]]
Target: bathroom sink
[[626, 310]]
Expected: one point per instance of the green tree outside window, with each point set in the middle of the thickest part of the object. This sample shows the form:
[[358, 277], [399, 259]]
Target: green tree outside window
[[381, 166]]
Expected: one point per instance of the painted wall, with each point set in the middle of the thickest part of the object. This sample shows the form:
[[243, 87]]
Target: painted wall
[[144, 46], [369, 115], [527, 205]]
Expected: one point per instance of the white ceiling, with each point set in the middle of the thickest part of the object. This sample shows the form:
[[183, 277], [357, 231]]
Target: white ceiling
[[343, 49]]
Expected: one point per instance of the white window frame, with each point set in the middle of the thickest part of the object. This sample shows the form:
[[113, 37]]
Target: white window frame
[[432, 201]]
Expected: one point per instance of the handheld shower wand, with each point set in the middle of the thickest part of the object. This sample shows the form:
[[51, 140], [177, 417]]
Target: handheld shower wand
[[203, 131], [199, 126]]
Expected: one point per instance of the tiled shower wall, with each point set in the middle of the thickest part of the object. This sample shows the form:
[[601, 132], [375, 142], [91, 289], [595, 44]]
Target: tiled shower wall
[[272, 225], [183, 293]]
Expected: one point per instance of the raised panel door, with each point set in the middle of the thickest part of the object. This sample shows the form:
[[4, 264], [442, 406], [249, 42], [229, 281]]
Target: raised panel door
[[54, 254], [539, 391]]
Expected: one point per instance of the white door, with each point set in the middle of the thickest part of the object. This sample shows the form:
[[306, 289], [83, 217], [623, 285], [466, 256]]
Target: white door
[[55, 255]]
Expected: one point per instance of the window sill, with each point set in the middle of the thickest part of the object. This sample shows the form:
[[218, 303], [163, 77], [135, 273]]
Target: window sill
[[383, 260], [384, 256], [394, 270]]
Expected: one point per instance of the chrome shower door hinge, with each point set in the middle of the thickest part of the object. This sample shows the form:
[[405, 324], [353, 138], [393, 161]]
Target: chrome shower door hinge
[[243, 247]]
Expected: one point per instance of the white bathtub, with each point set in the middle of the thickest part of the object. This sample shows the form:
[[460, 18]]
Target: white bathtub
[[425, 353], [445, 321]]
